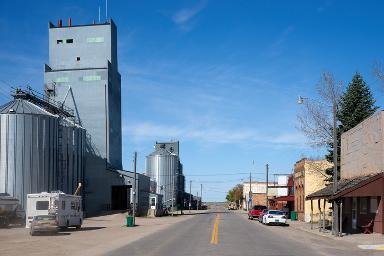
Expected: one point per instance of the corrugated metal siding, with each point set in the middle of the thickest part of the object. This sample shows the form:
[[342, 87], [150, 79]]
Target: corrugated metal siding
[[162, 168], [29, 155]]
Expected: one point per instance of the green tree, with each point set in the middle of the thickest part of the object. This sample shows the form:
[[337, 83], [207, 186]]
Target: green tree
[[356, 104], [235, 194]]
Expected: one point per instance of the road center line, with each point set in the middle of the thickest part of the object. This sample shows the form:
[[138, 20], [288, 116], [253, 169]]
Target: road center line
[[215, 230]]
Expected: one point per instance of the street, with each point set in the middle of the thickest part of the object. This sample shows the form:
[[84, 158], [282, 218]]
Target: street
[[236, 236]]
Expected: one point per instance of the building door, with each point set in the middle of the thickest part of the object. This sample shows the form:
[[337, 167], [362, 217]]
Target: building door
[[119, 198], [354, 213]]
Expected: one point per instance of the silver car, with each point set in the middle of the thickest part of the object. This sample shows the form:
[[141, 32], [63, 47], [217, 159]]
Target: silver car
[[44, 224]]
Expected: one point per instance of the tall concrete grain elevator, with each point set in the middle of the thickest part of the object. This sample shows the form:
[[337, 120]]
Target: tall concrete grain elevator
[[82, 73]]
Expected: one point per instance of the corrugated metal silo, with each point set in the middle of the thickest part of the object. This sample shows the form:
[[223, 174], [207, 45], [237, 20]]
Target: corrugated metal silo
[[39, 151], [27, 149], [163, 166]]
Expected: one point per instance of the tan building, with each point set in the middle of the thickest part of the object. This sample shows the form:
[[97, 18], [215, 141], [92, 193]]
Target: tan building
[[362, 148], [309, 176], [360, 191]]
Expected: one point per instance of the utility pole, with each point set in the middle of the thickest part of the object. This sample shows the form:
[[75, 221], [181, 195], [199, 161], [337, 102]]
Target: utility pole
[[173, 191], [201, 193], [190, 195], [134, 187], [335, 217], [250, 192], [197, 201], [266, 186]]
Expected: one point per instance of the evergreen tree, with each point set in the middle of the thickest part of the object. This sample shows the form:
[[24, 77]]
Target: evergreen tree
[[356, 104]]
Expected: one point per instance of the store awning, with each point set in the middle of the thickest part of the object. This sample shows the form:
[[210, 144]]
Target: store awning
[[289, 198], [344, 187]]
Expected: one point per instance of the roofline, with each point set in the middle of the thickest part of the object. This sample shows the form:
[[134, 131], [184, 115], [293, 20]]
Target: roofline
[[332, 196], [109, 22], [353, 129], [357, 186]]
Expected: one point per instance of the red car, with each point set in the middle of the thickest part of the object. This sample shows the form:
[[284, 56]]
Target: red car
[[255, 211]]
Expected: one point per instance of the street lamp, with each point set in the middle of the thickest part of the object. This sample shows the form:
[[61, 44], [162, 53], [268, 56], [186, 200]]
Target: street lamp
[[335, 208]]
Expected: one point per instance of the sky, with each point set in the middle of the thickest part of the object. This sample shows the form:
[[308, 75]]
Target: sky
[[222, 77]]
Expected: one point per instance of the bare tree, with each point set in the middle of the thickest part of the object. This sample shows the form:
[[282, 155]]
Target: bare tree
[[378, 71], [315, 120]]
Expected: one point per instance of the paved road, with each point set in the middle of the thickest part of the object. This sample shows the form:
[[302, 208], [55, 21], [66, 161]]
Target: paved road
[[221, 233]]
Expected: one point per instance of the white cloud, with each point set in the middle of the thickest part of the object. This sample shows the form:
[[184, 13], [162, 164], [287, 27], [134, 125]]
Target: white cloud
[[183, 16], [148, 131]]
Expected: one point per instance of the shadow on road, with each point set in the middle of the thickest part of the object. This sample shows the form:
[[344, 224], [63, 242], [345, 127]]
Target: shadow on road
[[83, 229]]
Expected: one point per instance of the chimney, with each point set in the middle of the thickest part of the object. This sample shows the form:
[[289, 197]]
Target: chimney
[[70, 22], [59, 23]]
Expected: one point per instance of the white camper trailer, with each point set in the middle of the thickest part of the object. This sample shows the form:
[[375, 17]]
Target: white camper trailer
[[67, 208]]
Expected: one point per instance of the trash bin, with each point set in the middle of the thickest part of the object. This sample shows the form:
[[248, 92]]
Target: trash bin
[[293, 215], [130, 221]]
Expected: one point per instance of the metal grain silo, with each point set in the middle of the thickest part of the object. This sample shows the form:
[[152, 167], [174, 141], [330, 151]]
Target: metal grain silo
[[27, 149], [39, 151], [162, 166]]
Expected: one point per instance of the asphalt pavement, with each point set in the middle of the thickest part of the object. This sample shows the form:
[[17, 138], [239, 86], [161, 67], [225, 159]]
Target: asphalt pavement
[[222, 232]]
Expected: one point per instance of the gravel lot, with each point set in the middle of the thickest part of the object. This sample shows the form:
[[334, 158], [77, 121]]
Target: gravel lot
[[97, 236]]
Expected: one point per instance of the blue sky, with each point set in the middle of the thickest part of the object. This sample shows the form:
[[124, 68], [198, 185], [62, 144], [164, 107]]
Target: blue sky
[[220, 76]]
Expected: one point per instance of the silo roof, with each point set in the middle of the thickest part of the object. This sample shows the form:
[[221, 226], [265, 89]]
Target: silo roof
[[20, 106], [161, 152]]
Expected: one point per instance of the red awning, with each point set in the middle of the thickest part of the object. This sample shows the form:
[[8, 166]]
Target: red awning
[[289, 198]]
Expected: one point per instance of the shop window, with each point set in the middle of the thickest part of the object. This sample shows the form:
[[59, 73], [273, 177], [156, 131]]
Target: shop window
[[373, 205], [363, 205]]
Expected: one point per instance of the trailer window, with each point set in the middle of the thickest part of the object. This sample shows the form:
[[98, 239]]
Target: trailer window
[[42, 205], [63, 205], [73, 205]]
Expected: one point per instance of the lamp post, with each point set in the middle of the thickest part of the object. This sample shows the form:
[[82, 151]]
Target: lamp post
[[335, 208]]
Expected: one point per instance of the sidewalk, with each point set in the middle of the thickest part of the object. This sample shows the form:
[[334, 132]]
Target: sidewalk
[[97, 236], [356, 239]]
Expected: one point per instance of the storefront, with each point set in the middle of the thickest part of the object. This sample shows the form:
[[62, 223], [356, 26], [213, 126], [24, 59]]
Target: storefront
[[360, 203]]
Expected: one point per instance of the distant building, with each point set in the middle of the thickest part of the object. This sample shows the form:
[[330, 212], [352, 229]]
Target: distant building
[[309, 176], [164, 168], [258, 190]]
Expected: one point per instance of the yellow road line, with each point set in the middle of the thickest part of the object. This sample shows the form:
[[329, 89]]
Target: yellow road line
[[215, 231]]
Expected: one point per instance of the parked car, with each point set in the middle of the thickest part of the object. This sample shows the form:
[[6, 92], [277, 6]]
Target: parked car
[[44, 224], [262, 214], [274, 217], [232, 206], [255, 211]]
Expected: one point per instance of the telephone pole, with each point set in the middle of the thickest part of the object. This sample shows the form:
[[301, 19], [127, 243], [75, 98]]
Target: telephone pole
[[266, 186], [250, 191], [201, 193], [197, 200], [134, 188], [190, 195], [173, 191]]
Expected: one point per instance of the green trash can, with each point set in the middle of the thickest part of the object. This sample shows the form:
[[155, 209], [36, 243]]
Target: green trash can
[[130, 221], [293, 215]]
